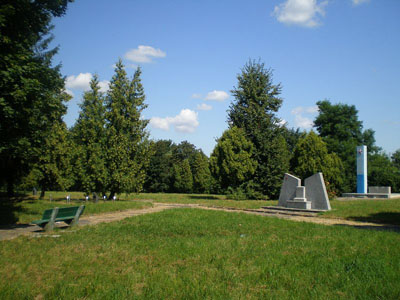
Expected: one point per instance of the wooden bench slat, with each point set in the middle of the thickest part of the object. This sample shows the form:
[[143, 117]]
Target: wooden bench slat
[[70, 215]]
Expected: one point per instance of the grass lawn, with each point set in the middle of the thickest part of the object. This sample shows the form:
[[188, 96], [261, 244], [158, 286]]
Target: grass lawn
[[209, 200], [378, 211], [196, 254], [31, 208]]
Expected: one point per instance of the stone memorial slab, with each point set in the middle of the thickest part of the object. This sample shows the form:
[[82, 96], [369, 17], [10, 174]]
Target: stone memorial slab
[[316, 192], [380, 190], [288, 189]]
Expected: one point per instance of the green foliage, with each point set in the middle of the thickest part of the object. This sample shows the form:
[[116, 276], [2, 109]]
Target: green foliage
[[246, 191], [340, 128], [128, 148], [396, 159], [183, 178], [159, 176], [31, 89], [256, 102], [311, 156], [90, 135], [231, 161], [201, 174], [383, 172]]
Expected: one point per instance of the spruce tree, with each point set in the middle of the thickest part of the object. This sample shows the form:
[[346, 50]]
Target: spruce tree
[[128, 148], [254, 110], [90, 136]]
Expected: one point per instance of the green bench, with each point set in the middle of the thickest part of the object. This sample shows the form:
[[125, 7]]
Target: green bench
[[69, 215]]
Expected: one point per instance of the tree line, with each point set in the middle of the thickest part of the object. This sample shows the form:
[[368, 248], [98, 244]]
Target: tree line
[[108, 150]]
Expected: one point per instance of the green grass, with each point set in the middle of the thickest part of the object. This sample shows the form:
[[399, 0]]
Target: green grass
[[196, 254], [31, 208], [203, 199], [378, 211]]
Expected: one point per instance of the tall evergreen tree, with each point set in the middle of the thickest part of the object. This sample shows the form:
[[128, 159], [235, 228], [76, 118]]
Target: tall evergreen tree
[[31, 88], [128, 148], [90, 135], [254, 110]]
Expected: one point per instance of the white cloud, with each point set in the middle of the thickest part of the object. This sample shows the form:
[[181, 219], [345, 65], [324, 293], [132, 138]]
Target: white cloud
[[308, 110], [185, 122], [104, 86], [82, 82], [160, 123], [302, 121], [300, 12], [204, 106], [357, 2], [144, 54], [217, 96]]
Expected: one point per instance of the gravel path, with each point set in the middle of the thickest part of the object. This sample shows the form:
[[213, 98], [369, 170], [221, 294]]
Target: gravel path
[[27, 229]]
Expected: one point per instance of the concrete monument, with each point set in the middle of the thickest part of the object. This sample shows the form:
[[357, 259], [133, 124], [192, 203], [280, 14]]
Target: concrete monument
[[288, 189], [312, 195]]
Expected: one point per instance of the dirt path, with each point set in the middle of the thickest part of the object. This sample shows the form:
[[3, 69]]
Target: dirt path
[[27, 229]]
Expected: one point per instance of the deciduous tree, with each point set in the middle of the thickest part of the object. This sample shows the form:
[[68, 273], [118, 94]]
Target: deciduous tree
[[31, 88]]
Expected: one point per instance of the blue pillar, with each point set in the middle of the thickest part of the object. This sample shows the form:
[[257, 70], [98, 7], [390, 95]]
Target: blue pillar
[[362, 182]]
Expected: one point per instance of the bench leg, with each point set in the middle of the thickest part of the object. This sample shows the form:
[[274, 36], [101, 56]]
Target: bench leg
[[77, 215], [50, 226]]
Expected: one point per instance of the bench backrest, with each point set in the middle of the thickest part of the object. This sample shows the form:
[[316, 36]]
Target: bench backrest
[[63, 212]]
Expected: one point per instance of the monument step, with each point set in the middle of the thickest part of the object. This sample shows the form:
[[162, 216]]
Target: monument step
[[301, 204]]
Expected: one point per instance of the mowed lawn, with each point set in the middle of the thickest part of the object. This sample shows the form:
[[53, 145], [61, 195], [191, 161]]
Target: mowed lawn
[[31, 208], [197, 254]]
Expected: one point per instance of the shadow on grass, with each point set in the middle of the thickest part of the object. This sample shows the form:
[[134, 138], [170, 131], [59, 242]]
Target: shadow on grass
[[9, 207], [204, 197], [392, 218]]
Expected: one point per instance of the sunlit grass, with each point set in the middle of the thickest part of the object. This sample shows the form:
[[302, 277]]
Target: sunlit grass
[[196, 254]]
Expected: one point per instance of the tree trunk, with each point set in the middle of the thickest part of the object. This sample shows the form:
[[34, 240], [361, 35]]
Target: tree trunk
[[111, 195], [42, 192]]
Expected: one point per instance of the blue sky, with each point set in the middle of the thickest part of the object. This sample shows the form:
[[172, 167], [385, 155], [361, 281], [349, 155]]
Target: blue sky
[[191, 51]]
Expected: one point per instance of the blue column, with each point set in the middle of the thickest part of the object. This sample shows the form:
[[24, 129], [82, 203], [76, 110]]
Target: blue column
[[362, 181]]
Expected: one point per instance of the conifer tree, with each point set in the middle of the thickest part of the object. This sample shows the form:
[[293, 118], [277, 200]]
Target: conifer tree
[[90, 136], [128, 148], [254, 110]]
